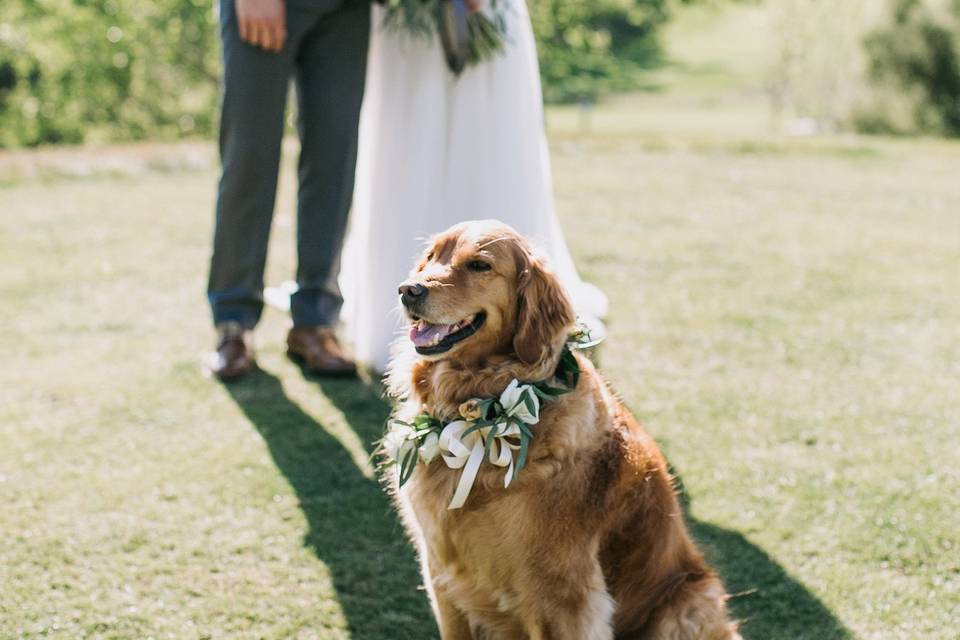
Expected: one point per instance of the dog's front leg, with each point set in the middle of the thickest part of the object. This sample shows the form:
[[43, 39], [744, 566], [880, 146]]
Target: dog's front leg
[[583, 611], [453, 624]]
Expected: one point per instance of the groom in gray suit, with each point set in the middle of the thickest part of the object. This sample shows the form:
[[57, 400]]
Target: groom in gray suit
[[322, 46]]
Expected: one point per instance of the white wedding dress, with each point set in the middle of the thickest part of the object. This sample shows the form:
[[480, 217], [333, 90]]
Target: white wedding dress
[[435, 150]]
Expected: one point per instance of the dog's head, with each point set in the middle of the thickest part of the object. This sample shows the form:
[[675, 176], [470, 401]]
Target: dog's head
[[479, 290]]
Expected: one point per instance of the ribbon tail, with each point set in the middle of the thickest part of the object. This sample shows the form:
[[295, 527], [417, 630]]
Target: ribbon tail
[[468, 475]]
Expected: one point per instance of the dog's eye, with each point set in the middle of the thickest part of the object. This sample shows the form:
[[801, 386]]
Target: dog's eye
[[478, 265]]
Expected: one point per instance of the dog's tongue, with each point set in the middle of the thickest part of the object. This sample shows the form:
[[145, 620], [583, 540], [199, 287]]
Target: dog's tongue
[[423, 334]]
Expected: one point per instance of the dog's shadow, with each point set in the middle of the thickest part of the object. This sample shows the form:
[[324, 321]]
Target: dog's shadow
[[354, 531], [769, 603], [351, 524]]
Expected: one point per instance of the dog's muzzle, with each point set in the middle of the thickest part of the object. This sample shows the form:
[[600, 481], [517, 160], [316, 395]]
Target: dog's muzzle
[[412, 294]]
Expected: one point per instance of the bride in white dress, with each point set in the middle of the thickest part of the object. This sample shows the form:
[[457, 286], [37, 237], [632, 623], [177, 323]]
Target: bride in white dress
[[437, 149]]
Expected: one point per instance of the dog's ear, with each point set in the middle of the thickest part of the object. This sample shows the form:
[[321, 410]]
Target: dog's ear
[[544, 314]]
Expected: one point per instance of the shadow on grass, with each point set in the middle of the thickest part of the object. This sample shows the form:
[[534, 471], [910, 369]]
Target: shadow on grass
[[769, 603], [352, 527], [353, 530]]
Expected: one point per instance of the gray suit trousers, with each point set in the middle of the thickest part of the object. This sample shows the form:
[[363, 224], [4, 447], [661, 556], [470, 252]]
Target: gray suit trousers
[[325, 54]]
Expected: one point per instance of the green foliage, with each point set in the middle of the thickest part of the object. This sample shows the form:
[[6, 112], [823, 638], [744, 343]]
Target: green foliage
[[78, 69], [590, 47], [75, 70], [919, 52]]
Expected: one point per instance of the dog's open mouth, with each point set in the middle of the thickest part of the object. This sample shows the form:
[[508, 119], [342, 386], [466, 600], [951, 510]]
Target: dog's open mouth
[[430, 339]]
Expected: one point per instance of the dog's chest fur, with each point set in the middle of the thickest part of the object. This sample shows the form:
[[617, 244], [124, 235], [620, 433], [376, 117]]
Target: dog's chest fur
[[480, 555]]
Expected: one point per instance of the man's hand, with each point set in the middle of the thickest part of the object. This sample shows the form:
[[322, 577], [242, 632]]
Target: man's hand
[[263, 23]]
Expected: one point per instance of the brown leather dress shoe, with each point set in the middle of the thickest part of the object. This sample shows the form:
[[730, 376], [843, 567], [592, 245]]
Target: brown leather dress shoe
[[234, 356], [319, 351]]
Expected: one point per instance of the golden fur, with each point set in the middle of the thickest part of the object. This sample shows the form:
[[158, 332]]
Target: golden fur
[[589, 541]]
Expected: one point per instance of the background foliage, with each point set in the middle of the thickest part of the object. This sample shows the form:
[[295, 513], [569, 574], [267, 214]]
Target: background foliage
[[817, 64], [98, 70], [75, 70], [890, 67], [79, 69], [918, 55], [590, 47]]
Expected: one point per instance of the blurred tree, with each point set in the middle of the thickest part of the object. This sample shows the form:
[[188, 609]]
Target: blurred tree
[[919, 53], [78, 69], [816, 71], [74, 70], [589, 47]]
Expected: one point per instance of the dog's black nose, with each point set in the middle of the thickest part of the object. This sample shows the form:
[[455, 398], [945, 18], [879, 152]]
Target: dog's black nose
[[412, 293]]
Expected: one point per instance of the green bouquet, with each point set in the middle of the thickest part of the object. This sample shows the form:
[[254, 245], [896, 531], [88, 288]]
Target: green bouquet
[[467, 36]]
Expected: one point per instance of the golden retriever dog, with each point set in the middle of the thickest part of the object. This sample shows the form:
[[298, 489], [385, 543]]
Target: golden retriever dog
[[588, 542]]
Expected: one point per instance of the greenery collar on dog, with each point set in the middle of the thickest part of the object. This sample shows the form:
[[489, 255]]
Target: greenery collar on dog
[[492, 428]]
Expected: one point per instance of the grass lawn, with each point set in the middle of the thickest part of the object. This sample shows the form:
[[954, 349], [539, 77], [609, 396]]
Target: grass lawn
[[785, 319]]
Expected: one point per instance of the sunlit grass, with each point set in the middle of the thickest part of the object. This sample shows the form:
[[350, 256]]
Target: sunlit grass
[[786, 323]]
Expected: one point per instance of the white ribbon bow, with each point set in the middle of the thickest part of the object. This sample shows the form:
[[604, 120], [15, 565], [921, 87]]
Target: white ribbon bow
[[461, 451], [465, 451]]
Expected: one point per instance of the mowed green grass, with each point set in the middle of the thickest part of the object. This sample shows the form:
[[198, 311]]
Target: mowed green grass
[[784, 319], [787, 325]]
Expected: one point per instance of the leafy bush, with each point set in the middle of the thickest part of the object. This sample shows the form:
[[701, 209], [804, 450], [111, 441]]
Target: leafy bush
[[75, 70], [78, 69], [590, 47], [919, 54]]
